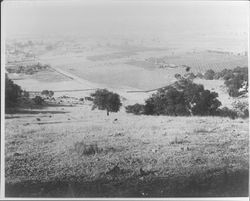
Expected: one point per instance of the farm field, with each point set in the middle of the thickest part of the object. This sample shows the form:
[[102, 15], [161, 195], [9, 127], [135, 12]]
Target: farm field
[[198, 61], [118, 69], [134, 156]]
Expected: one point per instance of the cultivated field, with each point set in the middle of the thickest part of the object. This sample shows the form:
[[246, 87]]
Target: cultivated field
[[75, 152], [120, 69]]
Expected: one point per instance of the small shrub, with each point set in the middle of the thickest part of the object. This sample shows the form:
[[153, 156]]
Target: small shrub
[[201, 130], [179, 141], [200, 75], [149, 107], [217, 76], [209, 74], [190, 76], [178, 76], [135, 109], [26, 94], [241, 108], [47, 93], [227, 74], [226, 112], [38, 100], [51, 93], [86, 149], [88, 98]]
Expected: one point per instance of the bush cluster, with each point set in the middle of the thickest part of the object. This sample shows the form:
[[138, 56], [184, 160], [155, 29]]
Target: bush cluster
[[226, 112], [86, 149], [183, 98], [29, 69], [235, 79], [15, 96], [209, 74], [38, 100], [47, 93], [135, 109], [241, 108]]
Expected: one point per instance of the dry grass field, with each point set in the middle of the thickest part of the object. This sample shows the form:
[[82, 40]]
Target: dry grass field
[[72, 151]]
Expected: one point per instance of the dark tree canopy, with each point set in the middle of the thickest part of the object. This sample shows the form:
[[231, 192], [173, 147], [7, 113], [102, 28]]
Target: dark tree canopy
[[12, 92], [183, 98], [135, 109], [106, 100]]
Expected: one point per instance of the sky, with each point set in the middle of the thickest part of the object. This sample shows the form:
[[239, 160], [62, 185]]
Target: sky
[[123, 17]]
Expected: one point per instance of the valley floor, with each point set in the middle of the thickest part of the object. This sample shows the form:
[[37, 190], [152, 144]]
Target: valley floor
[[72, 151]]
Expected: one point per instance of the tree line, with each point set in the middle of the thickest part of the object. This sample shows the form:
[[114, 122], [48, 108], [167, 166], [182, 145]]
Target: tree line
[[236, 80], [182, 98]]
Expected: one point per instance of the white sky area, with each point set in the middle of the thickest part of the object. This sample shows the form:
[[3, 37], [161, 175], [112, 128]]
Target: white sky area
[[124, 17]]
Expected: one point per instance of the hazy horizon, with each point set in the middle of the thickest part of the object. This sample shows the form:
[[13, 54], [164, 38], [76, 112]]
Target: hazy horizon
[[117, 17]]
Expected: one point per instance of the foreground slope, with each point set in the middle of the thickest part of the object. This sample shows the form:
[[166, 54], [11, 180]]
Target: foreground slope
[[76, 152]]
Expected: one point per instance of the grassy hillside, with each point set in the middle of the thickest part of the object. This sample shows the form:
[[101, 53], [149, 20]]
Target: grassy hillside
[[76, 152]]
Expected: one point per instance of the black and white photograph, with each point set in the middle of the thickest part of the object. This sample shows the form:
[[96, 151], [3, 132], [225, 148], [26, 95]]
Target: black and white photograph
[[111, 99]]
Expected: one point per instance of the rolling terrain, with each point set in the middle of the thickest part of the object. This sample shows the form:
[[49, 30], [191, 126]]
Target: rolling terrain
[[69, 150]]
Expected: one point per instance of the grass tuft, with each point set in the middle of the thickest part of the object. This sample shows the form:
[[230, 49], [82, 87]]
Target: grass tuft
[[179, 141], [86, 149]]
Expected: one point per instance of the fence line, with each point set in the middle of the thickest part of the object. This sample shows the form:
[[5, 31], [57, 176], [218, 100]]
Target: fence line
[[64, 90]]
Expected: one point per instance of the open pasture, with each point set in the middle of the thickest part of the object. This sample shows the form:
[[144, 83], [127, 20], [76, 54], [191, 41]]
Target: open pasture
[[88, 154]]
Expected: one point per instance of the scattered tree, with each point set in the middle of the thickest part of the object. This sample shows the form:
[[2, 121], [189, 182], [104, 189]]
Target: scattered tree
[[106, 100], [188, 69]]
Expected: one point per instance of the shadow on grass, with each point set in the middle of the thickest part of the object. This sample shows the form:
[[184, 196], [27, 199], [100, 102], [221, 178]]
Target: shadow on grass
[[23, 111], [231, 184], [35, 109]]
